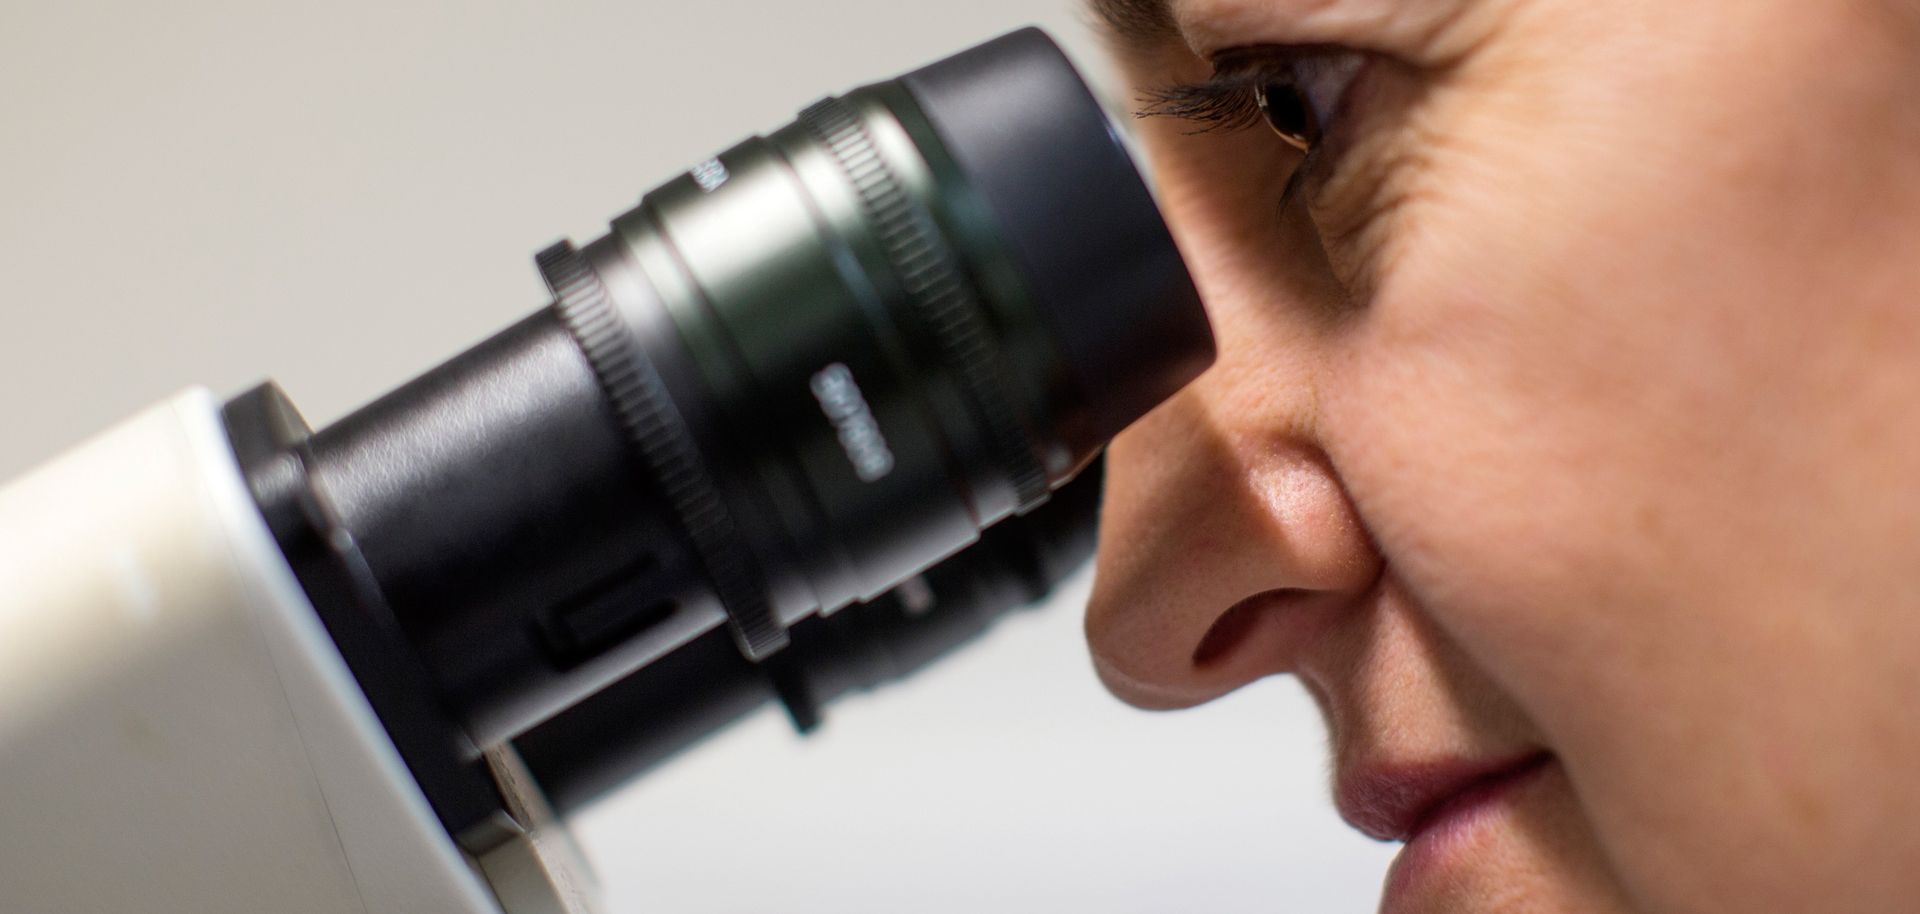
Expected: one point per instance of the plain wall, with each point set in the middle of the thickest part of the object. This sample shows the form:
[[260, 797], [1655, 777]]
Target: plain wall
[[338, 195]]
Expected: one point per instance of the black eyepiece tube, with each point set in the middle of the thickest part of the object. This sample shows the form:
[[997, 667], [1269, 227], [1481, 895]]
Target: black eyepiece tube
[[792, 378]]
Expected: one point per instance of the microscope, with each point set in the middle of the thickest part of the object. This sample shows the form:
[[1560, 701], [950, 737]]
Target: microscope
[[813, 414]]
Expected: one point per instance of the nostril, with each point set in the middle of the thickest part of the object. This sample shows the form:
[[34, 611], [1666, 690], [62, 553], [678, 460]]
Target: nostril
[[1237, 622]]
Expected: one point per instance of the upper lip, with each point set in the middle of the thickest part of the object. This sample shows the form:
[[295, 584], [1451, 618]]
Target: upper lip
[[1395, 801]]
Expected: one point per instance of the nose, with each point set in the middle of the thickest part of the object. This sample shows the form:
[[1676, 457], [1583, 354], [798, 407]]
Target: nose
[[1227, 540]]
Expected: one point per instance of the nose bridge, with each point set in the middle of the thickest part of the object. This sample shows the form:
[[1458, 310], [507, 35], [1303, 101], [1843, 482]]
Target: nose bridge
[[1228, 539]]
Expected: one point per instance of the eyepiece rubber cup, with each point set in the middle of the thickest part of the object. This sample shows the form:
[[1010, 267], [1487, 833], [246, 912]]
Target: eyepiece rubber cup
[[1076, 217]]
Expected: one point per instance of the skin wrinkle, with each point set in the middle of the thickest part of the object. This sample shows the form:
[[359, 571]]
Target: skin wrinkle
[[1377, 197], [1627, 404]]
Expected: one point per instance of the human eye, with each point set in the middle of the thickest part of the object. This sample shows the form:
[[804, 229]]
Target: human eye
[[1343, 118], [1297, 91]]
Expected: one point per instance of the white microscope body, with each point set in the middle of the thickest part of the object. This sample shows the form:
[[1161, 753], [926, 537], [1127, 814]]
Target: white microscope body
[[179, 735]]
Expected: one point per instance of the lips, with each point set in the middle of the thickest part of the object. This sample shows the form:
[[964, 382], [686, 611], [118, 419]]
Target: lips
[[1396, 802]]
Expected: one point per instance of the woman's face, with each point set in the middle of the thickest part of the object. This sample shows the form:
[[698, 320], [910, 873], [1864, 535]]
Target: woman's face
[[1564, 440]]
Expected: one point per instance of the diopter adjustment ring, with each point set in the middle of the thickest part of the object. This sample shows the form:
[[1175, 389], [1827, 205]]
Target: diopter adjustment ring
[[942, 298], [659, 434]]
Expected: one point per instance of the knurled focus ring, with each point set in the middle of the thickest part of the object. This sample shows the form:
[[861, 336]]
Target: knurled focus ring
[[660, 436], [937, 288]]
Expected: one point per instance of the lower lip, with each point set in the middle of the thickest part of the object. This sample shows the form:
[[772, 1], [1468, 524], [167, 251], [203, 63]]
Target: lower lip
[[1453, 835]]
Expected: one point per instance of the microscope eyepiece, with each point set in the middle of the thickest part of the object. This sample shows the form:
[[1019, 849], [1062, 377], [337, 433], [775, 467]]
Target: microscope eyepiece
[[792, 378]]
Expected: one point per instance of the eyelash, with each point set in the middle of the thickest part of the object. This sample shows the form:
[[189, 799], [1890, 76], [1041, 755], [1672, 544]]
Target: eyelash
[[1225, 103], [1236, 96], [1316, 80]]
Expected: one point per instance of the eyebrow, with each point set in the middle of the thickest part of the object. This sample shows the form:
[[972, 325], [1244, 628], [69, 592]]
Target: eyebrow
[[1137, 23]]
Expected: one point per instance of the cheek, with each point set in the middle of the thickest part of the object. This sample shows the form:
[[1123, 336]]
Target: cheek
[[1596, 428], [1526, 494], [1478, 455], [1511, 404]]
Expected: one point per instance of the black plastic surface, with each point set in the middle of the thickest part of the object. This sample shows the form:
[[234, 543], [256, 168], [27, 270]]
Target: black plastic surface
[[270, 443], [498, 504], [662, 710]]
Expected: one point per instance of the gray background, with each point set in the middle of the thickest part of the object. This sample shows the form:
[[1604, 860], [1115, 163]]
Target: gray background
[[340, 194]]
